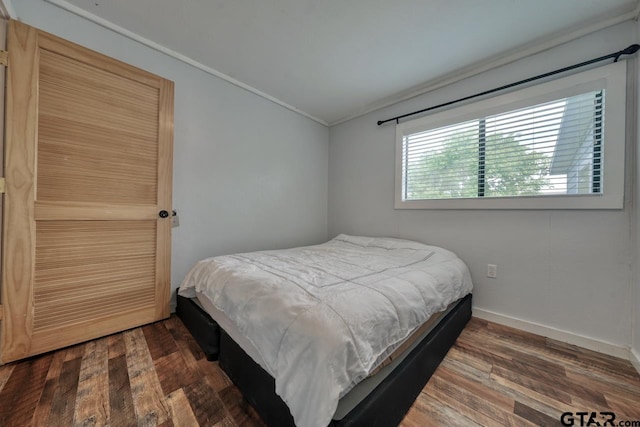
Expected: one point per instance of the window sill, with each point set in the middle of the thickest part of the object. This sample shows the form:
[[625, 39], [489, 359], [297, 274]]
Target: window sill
[[589, 201]]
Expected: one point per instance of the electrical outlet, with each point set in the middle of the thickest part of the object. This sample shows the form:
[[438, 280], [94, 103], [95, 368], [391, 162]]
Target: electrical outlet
[[492, 271], [175, 219]]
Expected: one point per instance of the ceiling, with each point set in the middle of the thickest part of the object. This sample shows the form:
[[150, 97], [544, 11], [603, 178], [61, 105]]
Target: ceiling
[[334, 59]]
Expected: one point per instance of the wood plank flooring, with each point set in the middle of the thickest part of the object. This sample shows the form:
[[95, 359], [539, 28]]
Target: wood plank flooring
[[157, 375]]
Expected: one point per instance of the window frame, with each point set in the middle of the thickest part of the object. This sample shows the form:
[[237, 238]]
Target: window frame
[[611, 78]]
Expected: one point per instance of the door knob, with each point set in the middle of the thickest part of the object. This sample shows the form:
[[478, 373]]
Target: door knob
[[163, 214]]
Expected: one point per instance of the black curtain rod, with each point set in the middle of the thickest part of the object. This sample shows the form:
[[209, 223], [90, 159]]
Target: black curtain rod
[[628, 51]]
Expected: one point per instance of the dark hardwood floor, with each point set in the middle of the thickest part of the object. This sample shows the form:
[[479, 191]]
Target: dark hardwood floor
[[157, 375]]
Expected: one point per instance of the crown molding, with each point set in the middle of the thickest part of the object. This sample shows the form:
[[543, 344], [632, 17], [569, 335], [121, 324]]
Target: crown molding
[[491, 63], [7, 11], [500, 60], [172, 53]]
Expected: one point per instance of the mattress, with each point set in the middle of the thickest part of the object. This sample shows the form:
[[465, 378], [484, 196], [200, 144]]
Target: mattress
[[362, 389], [322, 318]]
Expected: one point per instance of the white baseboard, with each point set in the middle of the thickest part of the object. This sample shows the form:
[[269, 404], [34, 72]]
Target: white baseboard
[[557, 334], [634, 357]]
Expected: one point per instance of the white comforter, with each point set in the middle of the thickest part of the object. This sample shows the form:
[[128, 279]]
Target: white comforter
[[322, 317]]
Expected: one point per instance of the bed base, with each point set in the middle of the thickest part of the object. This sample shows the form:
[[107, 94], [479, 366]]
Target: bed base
[[203, 328], [385, 406]]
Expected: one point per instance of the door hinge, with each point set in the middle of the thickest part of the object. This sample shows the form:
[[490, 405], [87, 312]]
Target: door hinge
[[1, 312], [4, 58], [2, 186]]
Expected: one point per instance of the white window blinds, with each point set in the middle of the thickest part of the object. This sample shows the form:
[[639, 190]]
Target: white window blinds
[[551, 148]]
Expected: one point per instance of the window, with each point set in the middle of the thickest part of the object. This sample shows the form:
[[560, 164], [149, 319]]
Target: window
[[557, 145]]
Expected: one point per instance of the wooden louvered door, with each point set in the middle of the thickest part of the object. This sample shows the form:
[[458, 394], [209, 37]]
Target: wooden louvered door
[[88, 160]]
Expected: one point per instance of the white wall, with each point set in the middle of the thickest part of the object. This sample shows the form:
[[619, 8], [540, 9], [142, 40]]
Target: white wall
[[565, 270], [635, 225], [248, 174]]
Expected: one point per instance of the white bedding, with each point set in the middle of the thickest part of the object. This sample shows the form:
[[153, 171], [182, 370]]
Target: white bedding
[[322, 317]]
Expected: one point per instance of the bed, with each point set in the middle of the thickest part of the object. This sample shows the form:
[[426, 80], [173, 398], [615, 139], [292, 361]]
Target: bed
[[343, 333]]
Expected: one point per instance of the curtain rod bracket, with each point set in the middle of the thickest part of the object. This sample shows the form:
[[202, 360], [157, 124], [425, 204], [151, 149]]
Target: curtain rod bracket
[[628, 51]]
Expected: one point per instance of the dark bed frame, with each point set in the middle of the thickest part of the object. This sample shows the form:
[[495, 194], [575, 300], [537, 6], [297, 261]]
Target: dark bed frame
[[385, 406]]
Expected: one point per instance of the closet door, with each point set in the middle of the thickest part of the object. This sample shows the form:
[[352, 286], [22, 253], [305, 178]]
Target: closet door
[[88, 159]]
